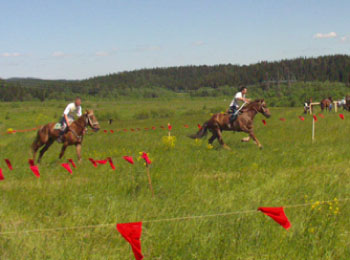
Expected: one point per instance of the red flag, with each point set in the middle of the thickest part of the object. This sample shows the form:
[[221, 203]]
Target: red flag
[[129, 159], [125, 130], [301, 118], [105, 131], [132, 233], [132, 129], [101, 161], [35, 170], [72, 162], [199, 126], [186, 126], [341, 116], [93, 162], [263, 121], [278, 215], [153, 127], [111, 163], [67, 167], [146, 158], [321, 115], [315, 117], [112, 131], [282, 119], [169, 127], [31, 162], [9, 164], [1, 175]]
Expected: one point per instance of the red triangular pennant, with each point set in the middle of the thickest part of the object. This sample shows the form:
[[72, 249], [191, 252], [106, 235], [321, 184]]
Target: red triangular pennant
[[132, 233], [301, 118], [315, 117], [93, 162], [341, 116], [72, 163], [321, 115], [111, 163], [9, 165], [278, 215], [263, 121], [1, 175], [35, 170], [31, 162], [129, 159], [67, 167], [101, 161], [146, 158], [282, 119]]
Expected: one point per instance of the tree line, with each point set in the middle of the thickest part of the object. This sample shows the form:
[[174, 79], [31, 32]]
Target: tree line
[[269, 78]]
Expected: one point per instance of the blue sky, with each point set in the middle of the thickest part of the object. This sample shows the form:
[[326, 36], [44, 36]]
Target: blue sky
[[79, 39]]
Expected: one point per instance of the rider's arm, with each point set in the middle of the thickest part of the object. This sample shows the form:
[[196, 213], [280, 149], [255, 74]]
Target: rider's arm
[[246, 100], [79, 111], [65, 114], [66, 118]]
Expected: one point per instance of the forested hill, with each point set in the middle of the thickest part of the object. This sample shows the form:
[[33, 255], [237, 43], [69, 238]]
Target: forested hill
[[160, 81]]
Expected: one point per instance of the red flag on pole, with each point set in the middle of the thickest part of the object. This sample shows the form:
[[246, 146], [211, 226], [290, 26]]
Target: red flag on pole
[[315, 117], [35, 170], [112, 131], [169, 127], [93, 162], [263, 121], [146, 158], [1, 175], [67, 167], [278, 215], [72, 163], [341, 116], [111, 163], [129, 159], [132, 233], [9, 164]]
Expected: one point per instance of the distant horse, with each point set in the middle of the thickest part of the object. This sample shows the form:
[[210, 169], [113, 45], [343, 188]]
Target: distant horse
[[326, 104], [347, 103], [244, 123], [47, 134]]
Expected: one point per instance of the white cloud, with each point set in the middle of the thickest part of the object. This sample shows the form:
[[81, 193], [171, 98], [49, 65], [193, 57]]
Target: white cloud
[[325, 35], [345, 38], [58, 54], [102, 53], [11, 54], [198, 43]]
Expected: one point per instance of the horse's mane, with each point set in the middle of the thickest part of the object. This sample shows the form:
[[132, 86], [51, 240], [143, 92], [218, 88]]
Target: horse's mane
[[251, 105]]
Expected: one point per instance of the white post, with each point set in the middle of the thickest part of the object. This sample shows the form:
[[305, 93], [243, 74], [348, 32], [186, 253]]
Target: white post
[[335, 106], [313, 129]]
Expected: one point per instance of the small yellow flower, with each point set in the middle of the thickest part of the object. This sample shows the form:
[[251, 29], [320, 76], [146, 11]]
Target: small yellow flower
[[312, 230], [209, 146]]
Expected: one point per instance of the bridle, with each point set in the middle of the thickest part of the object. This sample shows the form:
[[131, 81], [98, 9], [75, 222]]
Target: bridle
[[89, 122]]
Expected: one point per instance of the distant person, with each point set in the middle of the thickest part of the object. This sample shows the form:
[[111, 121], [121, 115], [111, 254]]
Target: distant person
[[72, 111], [307, 106], [237, 102]]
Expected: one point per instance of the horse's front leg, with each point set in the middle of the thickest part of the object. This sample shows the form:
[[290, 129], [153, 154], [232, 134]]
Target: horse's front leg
[[221, 141], [78, 148], [64, 147], [252, 135]]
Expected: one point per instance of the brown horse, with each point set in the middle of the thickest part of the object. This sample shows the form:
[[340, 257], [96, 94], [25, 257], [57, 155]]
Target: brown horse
[[74, 136], [326, 103], [347, 103], [244, 123]]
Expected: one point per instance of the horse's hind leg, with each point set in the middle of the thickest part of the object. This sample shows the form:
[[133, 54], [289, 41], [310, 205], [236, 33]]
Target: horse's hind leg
[[78, 148], [42, 151], [221, 141]]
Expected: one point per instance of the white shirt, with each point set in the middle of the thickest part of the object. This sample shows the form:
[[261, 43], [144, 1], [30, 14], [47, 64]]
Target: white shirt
[[72, 110], [235, 102]]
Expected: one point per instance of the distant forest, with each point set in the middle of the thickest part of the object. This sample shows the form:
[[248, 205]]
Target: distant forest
[[284, 82]]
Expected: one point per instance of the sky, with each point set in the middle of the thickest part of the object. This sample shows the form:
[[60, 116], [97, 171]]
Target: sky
[[78, 39]]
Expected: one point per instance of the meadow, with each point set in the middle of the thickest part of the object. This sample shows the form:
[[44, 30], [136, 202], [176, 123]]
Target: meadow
[[189, 179]]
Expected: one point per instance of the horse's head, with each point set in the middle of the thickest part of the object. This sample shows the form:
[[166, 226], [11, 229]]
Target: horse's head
[[262, 108], [91, 120]]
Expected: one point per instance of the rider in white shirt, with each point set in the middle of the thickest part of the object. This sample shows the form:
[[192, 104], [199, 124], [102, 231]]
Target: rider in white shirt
[[72, 111], [236, 102]]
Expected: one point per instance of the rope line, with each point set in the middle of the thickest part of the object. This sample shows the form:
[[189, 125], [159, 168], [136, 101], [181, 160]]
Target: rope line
[[162, 220]]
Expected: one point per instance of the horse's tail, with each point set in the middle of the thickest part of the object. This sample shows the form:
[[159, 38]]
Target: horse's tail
[[201, 133], [322, 105]]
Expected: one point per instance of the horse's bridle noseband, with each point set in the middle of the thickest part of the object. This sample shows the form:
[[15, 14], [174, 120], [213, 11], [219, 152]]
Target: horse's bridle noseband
[[88, 121]]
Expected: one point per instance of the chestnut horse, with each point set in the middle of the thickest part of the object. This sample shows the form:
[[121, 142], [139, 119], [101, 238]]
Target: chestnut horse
[[74, 136], [244, 123], [326, 103]]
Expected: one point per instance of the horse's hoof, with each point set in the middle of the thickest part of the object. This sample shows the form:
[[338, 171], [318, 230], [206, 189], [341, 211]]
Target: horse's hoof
[[245, 139], [226, 147], [261, 147]]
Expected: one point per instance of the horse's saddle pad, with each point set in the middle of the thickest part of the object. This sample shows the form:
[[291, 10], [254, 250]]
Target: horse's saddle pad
[[58, 126]]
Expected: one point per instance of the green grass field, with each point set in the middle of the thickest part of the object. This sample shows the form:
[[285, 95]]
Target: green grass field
[[189, 180]]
